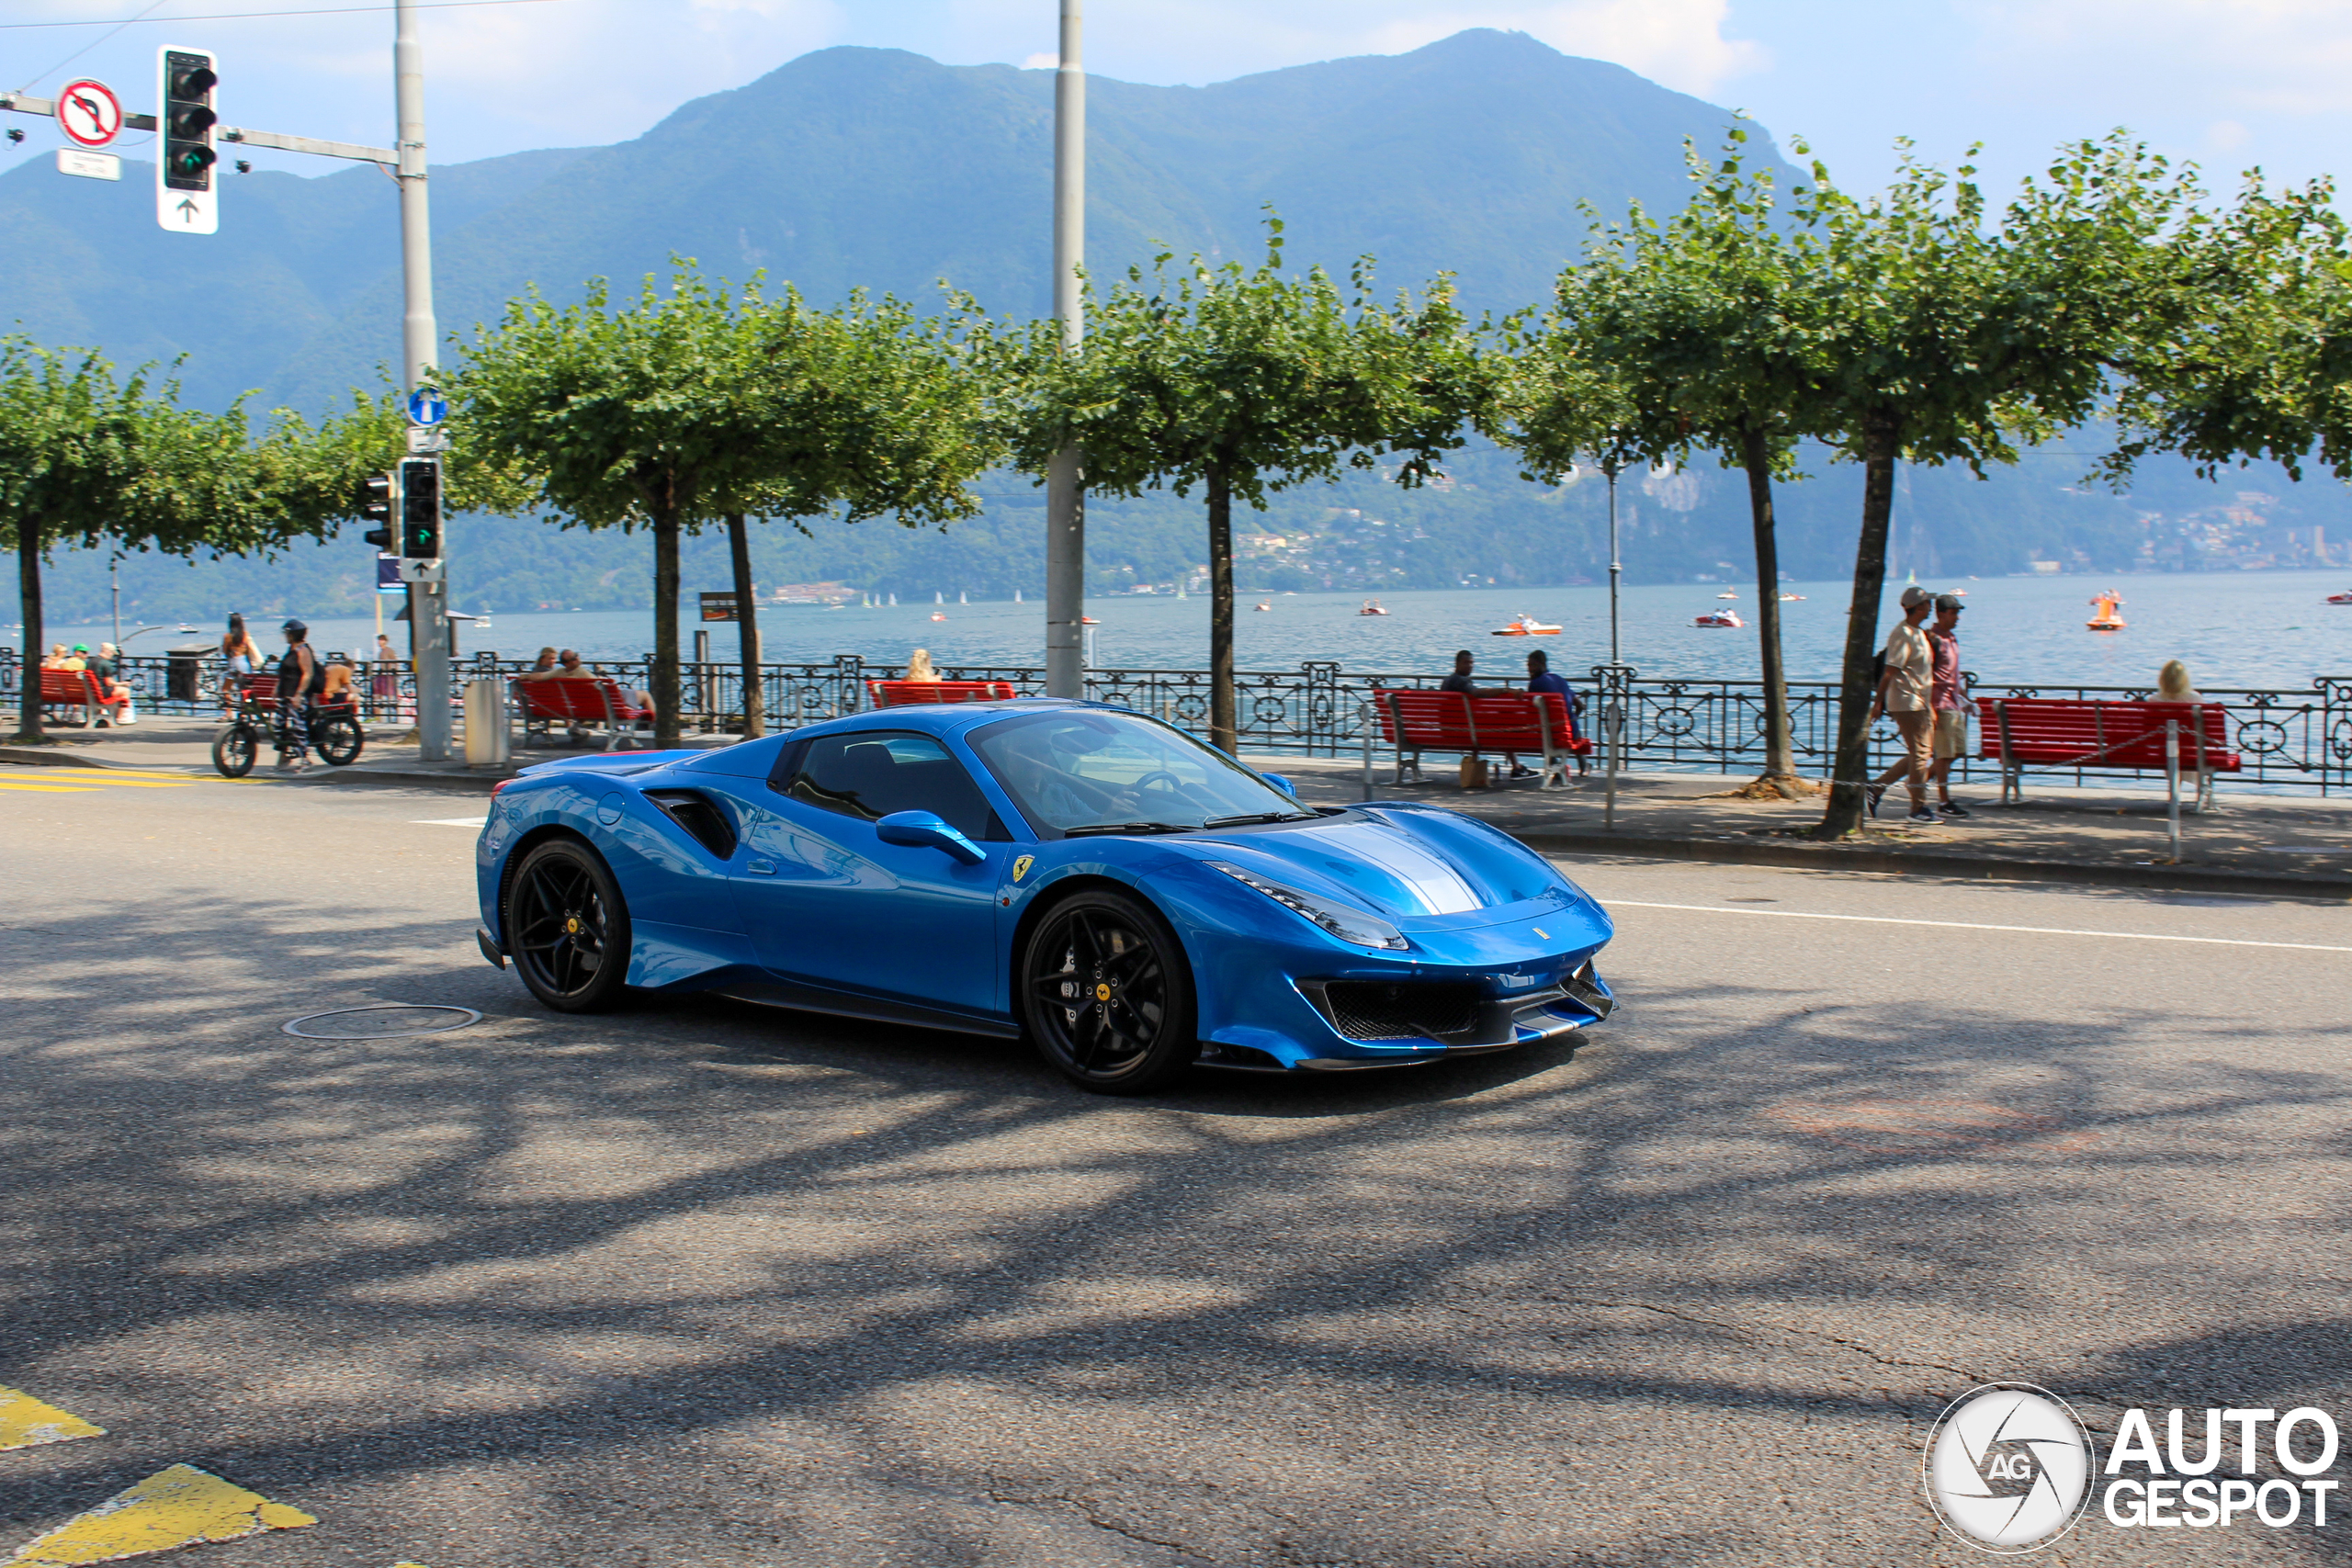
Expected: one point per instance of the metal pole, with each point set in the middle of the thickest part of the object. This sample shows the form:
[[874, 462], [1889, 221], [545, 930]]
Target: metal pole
[[2172, 781], [1065, 475], [428, 602], [114, 571], [1612, 713], [1616, 567]]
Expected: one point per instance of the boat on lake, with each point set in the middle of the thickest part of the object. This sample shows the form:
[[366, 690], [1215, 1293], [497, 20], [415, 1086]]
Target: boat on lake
[[2343, 598], [1526, 626], [1728, 619], [1372, 607], [2109, 619]]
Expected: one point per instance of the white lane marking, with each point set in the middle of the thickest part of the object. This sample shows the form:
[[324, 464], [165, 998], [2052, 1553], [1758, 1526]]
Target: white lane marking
[[447, 822], [1972, 926]]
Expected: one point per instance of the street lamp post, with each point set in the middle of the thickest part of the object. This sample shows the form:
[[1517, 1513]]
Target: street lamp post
[[1065, 474], [428, 601]]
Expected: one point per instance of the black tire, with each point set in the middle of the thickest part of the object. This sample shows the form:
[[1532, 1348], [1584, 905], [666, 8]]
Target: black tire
[[234, 746], [339, 739], [567, 927], [1106, 996]]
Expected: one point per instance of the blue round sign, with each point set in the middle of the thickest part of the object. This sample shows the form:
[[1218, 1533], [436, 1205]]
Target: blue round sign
[[426, 406]]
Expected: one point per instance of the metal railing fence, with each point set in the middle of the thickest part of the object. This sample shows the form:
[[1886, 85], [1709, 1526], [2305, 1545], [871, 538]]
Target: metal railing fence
[[2295, 738]]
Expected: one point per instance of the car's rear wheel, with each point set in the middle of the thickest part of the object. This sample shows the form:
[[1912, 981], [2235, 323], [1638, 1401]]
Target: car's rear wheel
[[567, 927], [1107, 996]]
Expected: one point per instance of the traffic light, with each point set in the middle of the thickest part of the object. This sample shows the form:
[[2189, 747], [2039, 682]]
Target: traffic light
[[185, 124], [378, 497], [420, 497]]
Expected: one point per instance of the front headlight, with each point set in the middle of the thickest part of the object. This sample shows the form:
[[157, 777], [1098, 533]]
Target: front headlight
[[1349, 925]]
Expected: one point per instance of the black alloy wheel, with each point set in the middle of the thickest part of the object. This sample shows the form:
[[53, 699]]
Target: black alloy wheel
[[1106, 995], [339, 739], [234, 746], [567, 927]]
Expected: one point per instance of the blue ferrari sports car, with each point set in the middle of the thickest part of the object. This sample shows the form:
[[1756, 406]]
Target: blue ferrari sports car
[[1130, 898]]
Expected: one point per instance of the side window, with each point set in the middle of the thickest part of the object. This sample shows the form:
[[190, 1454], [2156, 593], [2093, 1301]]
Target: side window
[[870, 774]]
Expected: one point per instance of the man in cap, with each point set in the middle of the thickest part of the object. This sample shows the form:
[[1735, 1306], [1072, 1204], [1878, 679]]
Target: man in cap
[[1905, 691], [1948, 702], [299, 680]]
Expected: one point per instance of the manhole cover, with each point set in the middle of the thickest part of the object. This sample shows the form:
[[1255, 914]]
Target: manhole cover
[[384, 1020]]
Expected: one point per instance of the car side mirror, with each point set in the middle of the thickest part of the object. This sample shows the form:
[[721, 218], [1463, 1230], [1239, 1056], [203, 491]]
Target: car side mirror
[[1281, 783], [919, 830]]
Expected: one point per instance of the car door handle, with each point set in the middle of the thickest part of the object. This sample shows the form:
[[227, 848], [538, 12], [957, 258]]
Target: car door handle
[[761, 868]]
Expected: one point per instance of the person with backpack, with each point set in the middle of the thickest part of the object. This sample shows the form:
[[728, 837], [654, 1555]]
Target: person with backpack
[[299, 679]]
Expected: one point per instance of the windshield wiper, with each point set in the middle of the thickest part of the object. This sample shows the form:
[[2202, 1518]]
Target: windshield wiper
[[1258, 816], [1125, 828]]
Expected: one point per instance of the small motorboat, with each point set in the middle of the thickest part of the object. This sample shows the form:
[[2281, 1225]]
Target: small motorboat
[[2343, 598], [1088, 621], [1263, 605], [938, 614], [1372, 607], [1791, 598], [1727, 593], [1726, 618], [2107, 619], [1526, 626]]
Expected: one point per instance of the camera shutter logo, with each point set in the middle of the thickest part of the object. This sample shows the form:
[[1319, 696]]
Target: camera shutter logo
[[2008, 1467]]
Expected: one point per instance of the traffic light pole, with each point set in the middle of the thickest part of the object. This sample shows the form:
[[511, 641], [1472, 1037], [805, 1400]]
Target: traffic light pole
[[428, 602], [1065, 471]]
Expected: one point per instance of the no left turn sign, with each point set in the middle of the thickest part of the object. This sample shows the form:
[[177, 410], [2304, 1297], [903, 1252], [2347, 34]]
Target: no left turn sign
[[89, 112]]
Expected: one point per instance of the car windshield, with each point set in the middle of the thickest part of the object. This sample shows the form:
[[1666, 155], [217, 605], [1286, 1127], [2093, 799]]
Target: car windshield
[[1081, 772]]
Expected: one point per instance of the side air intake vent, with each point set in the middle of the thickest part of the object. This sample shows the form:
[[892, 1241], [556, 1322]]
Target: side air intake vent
[[700, 817]]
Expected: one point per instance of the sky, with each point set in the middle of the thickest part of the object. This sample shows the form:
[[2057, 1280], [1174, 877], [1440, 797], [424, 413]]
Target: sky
[[2230, 83]]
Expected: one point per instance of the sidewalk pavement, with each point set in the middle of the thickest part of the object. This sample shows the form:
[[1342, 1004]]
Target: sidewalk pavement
[[2263, 845]]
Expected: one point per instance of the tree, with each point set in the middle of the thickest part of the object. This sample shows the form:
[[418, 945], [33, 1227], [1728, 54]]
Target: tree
[[1710, 324], [1948, 335], [699, 404], [1245, 383], [87, 459]]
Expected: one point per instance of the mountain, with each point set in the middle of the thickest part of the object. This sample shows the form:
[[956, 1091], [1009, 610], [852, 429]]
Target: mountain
[[879, 168]]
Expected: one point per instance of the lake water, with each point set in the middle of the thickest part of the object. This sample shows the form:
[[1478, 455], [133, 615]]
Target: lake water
[[2233, 629]]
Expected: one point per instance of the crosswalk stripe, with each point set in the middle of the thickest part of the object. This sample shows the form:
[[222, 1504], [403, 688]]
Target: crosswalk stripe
[[175, 1507], [27, 1422]]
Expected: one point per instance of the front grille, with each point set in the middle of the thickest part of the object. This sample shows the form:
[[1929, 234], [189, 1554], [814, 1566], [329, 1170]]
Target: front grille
[[1412, 1009]]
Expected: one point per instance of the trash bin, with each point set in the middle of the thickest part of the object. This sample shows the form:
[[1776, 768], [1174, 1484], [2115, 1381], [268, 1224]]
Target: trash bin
[[487, 737], [182, 669]]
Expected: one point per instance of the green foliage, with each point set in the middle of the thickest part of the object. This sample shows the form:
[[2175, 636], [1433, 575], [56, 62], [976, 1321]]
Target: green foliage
[[1245, 382], [700, 402], [87, 459]]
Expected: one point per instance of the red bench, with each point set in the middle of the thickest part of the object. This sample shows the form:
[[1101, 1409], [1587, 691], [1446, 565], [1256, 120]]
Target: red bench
[[79, 689], [578, 702], [900, 694], [1530, 723], [2079, 732]]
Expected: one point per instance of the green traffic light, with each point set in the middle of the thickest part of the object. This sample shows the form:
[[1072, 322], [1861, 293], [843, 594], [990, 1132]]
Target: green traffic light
[[192, 160]]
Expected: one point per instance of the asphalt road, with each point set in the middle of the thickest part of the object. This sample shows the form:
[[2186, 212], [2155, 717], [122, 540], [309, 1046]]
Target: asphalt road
[[706, 1284]]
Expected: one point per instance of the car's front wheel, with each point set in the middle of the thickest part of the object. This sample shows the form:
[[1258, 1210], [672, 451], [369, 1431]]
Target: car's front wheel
[[567, 927], [1107, 996]]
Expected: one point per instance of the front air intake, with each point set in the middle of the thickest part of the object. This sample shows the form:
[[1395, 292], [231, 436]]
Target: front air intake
[[1406, 1010]]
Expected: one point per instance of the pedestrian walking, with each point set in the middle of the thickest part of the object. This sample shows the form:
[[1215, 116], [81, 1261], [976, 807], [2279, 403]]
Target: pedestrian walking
[[1950, 703], [240, 657], [387, 682], [299, 680], [1906, 689]]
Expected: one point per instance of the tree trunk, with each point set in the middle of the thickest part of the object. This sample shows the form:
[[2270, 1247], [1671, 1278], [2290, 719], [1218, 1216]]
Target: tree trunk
[[1881, 432], [1780, 757], [28, 669], [747, 627], [1223, 730], [665, 627]]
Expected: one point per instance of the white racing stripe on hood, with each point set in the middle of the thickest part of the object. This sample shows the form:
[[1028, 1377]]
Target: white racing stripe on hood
[[1438, 886]]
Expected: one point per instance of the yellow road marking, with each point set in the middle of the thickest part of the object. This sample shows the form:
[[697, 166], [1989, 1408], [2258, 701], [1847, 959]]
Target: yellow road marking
[[45, 788], [115, 773], [179, 1506], [26, 1423], [142, 783]]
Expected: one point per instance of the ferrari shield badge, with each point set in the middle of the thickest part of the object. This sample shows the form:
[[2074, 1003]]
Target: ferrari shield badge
[[1020, 866]]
